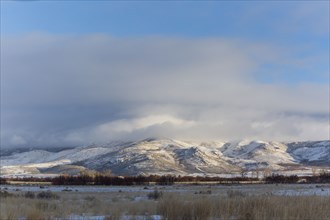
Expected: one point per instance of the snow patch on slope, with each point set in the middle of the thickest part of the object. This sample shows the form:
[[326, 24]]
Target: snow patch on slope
[[167, 156]]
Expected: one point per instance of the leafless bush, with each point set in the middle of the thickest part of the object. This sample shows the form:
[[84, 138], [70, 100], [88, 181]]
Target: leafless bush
[[235, 193], [89, 198], [5, 194], [29, 195], [155, 194], [47, 195]]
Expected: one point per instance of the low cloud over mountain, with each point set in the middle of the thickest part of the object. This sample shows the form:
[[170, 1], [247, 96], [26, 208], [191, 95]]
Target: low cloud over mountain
[[71, 90]]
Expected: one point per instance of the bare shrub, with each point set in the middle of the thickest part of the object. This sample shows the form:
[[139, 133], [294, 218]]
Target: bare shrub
[[5, 194], [155, 194], [235, 193], [89, 198], [29, 195], [47, 195]]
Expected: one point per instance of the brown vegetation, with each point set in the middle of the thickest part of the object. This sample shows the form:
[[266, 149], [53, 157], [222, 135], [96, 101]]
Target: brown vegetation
[[229, 204], [245, 207]]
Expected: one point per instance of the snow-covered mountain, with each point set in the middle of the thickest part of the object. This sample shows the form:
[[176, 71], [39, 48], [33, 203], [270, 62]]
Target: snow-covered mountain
[[167, 156]]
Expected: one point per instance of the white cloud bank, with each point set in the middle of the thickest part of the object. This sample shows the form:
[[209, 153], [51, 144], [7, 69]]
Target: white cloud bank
[[60, 90]]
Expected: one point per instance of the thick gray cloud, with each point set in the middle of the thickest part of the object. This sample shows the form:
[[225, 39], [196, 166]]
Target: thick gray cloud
[[67, 90]]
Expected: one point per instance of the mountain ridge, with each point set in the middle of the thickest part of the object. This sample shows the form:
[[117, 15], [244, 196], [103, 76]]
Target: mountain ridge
[[168, 156]]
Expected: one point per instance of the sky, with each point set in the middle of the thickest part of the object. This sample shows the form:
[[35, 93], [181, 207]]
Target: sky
[[81, 72]]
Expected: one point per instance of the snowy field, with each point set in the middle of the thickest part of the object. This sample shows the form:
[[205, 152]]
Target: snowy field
[[250, 189]]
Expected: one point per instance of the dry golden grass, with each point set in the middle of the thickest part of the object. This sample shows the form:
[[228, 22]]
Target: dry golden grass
[[111, 205], [172, 205], [245, 207]]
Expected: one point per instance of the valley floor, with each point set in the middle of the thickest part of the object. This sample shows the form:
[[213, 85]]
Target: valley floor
[[257, 201]]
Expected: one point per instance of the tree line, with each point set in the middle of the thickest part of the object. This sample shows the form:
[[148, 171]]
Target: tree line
[[104, 179], [276, 178]]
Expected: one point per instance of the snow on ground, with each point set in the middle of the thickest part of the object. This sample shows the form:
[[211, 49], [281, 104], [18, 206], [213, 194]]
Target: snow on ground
[[305, 192], [254, 189], [101, 217]]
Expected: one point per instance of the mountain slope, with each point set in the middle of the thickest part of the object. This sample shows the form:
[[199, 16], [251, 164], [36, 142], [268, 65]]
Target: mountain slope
[[167, 156]]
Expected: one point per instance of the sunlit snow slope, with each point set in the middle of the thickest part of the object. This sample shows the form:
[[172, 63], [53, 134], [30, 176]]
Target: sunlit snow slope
[[167, 156]]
